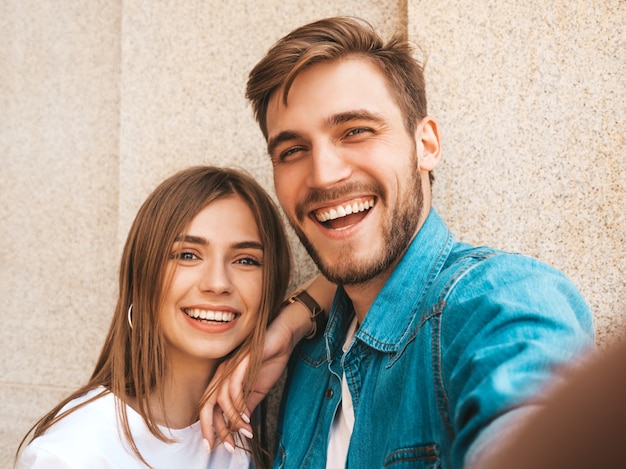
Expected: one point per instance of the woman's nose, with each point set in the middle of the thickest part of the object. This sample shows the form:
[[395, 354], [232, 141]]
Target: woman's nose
[[215, 278]]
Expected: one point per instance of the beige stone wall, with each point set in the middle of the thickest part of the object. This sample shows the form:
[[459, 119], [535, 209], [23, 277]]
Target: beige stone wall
[[59, 187], [532, 103], [101, 100]]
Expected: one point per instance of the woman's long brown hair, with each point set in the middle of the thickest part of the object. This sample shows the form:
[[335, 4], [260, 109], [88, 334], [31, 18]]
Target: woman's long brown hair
[[133, 362]]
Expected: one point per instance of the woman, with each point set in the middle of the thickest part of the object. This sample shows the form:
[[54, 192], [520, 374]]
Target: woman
[[205, 265]]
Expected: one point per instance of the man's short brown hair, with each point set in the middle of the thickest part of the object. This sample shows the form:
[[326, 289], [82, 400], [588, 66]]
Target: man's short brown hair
[[333, 39]]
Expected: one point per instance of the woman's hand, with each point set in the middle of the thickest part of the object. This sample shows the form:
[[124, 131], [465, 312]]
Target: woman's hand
[[226, 403], [225, 411]]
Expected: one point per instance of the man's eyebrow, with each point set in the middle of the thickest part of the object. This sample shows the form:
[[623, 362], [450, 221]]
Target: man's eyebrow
[[359, 114], [284, 136], [335, 119]]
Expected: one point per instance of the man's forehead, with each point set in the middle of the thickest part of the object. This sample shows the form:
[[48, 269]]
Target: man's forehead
[[349, 74]]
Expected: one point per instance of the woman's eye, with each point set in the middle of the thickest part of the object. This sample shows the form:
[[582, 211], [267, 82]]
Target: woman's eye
[[185, 256], [248, 261]]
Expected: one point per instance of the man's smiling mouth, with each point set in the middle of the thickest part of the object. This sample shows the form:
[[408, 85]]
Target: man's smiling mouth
[[210, 315], [343, 215]]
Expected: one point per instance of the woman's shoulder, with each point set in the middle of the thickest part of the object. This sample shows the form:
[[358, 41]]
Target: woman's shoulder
[[93, 411], [86, 431], [91, 436]]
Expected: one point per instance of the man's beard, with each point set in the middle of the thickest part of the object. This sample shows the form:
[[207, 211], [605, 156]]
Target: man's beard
[[397, 233]]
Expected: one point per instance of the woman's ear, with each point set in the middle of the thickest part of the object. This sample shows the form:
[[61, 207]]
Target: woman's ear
[[428, 143]]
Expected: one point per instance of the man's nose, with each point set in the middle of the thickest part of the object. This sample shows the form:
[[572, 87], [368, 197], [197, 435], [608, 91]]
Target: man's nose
[[328, 166]]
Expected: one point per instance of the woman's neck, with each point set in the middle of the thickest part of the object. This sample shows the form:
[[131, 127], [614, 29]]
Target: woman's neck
[[183, 386]]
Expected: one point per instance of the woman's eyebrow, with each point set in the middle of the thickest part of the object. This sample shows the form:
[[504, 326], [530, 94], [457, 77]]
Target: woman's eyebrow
[[203, 242], [248, 245], [191, 239]]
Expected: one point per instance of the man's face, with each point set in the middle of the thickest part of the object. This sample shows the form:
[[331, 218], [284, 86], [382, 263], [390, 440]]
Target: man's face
[[346, 170]]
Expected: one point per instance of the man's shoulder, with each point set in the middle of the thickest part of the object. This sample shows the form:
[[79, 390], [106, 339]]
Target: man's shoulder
[[482, 285], [473, 264]]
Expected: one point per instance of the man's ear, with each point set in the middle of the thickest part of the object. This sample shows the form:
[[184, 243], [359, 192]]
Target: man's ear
[[428, 143]]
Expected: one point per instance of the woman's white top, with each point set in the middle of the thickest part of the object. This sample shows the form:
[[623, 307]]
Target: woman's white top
[[90, 437]]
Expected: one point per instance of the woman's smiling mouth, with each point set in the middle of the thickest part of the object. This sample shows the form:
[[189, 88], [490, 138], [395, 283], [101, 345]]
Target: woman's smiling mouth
[[210, 315]]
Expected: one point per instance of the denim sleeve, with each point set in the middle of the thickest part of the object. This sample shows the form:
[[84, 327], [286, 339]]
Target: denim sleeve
[[509, 322]]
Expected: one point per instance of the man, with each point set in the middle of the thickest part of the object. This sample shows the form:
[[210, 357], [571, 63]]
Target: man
[[433, 348]]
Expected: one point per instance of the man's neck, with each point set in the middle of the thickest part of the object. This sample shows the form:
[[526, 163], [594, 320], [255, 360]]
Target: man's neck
[[363, 295]]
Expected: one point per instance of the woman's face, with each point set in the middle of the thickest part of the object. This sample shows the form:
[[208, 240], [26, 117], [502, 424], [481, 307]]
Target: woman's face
[[212, 302]]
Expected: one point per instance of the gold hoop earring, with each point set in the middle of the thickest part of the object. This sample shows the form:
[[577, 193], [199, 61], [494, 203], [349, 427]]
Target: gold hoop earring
[[130, 316]]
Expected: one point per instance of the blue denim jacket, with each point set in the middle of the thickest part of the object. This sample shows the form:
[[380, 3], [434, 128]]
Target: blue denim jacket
[[457, 337]]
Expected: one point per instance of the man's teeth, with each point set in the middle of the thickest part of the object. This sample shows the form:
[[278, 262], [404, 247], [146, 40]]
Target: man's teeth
[[208, 315], [343, 210]]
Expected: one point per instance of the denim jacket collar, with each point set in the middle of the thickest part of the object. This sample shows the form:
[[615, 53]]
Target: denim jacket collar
[[388, 323]]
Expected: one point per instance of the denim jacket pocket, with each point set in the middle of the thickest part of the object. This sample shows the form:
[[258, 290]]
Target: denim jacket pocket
[[424, 456]]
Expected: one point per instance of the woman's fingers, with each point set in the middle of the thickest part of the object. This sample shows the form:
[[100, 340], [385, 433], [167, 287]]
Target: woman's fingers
[[230, 397], [222, 430], [206, 423], [224, 410]]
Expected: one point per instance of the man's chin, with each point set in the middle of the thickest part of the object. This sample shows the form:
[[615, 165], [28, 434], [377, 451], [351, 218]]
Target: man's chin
[[350, 271], [344, 267]]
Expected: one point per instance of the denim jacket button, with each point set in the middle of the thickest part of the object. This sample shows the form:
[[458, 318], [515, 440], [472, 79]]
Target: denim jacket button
[[329, 393]]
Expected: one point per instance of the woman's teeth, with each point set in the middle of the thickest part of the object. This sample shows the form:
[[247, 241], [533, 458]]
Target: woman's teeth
[[343, 210], [209, 315]]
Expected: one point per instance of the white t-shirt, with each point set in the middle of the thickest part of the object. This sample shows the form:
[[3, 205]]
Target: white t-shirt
[[90, 438], [343, 423]]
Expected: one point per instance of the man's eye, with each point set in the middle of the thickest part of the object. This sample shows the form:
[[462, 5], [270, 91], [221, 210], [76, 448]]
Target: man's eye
[[292, 151], [356, 131]]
